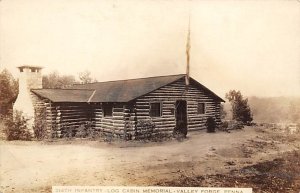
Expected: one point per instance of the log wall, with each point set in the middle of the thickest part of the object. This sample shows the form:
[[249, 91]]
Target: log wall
[[39, 105], [111, 125], [168, 95], [62, 116]]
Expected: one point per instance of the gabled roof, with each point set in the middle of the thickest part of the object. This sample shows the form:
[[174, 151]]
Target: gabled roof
[[114, 91], [126, 90]]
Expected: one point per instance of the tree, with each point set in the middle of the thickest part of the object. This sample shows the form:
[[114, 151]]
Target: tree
[[9, 88], [85, 77], [16, 127], [55, 80], [223, 112], [240, 109]]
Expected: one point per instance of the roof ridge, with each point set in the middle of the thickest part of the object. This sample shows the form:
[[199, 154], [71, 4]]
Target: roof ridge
[[132, 79]]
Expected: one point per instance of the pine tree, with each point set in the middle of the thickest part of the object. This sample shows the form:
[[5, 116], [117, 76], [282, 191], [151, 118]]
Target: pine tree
[[9, 89], [240, 109]]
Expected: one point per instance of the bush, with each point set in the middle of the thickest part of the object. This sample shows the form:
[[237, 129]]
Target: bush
[[144, 129], [16, 127], [81, 132], [225, 125], [39, 128], [90, 130], [68, 131], [86, 130], [234, 125], [211, 125], [53, 132]]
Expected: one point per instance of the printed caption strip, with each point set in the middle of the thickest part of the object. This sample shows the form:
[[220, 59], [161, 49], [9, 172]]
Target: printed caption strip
[[145, 189]]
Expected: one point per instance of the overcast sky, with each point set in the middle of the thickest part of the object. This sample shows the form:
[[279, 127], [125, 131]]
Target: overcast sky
[[252, 46]]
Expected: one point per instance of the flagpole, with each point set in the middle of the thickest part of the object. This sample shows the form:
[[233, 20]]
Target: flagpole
[[188, 47]]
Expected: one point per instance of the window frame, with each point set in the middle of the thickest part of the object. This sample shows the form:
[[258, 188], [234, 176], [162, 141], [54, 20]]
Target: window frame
[[105, 106], [204, 108], [160, 109]]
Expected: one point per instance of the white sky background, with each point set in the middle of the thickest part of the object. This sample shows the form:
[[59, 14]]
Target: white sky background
[[252, 46]]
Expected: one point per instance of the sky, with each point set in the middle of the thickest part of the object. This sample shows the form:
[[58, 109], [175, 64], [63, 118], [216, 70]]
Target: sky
[[251, 46]]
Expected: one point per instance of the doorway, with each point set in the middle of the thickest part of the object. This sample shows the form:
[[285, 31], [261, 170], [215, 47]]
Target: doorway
[[181, 116]]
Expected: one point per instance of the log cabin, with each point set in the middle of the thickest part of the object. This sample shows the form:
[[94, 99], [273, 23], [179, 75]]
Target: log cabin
[[118, 107]]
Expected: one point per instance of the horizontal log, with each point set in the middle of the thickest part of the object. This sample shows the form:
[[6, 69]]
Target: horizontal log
[[142, 114], [196, 124], [73, 120], [144, 106], [112, 121], [106, 124], [162, 119], [119, 124], [165, 125], [107, 120], [139, 110], [74, 116], [197, 119], [164, 122], [120, 114], [117, 109], [71, 125], [66, 106], [168, 114]]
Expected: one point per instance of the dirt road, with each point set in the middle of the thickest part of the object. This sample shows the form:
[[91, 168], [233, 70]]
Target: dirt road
[[36, 166]]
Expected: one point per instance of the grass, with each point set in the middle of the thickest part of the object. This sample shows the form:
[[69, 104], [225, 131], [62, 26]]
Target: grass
[[279, 175]]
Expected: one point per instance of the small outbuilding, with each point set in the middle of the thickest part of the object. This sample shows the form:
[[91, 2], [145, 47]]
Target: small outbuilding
[[119, 107]]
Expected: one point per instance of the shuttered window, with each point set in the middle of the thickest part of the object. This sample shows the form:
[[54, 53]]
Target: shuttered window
[[155, 109], [107, 109], [201, 108]]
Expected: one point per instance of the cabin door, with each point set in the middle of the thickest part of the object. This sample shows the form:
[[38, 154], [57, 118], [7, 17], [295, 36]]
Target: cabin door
[[181, 116]]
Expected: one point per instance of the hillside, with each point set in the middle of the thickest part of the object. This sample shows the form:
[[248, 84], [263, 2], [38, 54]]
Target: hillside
[[273, 109]]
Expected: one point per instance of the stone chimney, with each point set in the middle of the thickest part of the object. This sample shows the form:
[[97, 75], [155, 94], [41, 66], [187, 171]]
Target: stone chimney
[[30, 78]]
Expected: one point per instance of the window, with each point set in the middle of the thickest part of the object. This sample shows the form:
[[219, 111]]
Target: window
[[201, 108], [107, 109], [155, 109]]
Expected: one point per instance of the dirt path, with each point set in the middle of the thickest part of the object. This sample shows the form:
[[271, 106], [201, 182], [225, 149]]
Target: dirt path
[[35, 166]]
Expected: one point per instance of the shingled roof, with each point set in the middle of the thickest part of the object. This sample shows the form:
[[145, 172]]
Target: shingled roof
[[113, 91], [65, 95]]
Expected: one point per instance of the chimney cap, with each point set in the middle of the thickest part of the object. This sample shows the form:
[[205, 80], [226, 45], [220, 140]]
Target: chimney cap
[[30, 66]]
